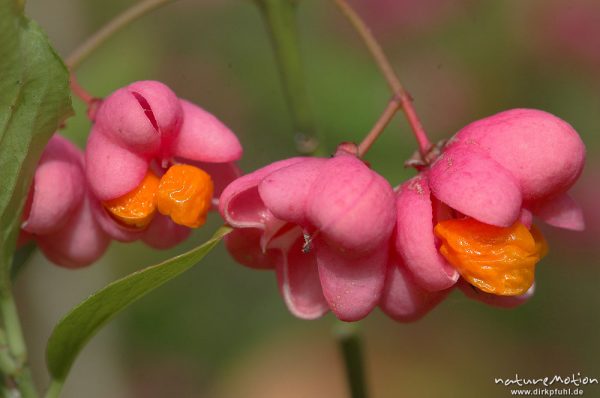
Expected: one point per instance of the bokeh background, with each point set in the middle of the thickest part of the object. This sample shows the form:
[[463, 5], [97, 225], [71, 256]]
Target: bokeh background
[[221, 330]]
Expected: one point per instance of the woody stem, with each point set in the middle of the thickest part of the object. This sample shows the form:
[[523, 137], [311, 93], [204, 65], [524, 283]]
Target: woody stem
[[388, 72]]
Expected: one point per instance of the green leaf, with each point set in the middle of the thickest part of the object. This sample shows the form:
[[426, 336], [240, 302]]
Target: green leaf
[[34, 100], [85, 320]]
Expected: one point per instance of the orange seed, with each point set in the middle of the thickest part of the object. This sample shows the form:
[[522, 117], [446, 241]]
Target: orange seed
[[185, 193], [494, 259]]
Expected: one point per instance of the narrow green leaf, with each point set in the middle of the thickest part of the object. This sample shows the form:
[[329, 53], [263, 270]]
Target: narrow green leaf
[[34, 100], [85, 320]]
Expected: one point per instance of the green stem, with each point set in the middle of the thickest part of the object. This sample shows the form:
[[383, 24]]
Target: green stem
[[350, 345], [13, 337], [9, 391], [54, 389], [12, 326], [280, 18], [7, 363], [24, 381]]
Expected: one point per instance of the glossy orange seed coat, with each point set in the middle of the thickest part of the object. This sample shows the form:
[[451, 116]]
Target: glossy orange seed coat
[[136, 208], [185, 193], [495, 260]]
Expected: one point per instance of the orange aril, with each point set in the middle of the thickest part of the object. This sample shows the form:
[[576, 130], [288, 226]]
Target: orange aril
[[185, 194], [494, 259], [136, 208]]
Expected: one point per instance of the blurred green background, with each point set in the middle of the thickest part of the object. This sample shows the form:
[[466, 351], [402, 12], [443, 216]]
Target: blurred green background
[[221, 330]]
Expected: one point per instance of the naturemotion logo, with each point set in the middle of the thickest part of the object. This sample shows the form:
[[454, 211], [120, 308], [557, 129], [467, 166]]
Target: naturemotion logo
[[561, 385]]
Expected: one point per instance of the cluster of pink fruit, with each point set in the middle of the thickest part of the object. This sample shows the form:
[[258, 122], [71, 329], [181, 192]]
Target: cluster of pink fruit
[[338, 236]]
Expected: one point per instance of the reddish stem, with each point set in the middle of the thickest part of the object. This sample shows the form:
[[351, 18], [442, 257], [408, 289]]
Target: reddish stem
[[385, 118], [80, 92], [388, 72], [134, 12], [92, 102], [415, 125]]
